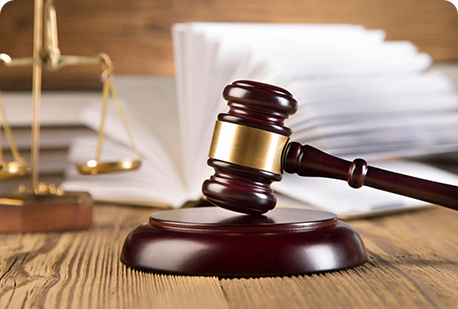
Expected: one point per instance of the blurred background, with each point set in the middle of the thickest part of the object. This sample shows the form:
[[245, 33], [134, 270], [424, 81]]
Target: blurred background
[[136, 33]]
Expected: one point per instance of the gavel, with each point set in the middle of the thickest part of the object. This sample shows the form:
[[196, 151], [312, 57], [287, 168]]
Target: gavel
[[250, 149]]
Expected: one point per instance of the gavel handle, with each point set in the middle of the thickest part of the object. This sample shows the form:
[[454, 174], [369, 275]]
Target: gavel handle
[[306, 160]]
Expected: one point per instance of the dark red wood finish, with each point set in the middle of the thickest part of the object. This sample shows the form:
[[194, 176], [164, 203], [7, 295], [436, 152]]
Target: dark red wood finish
[[234, 187], [247, 190], [213, 241], [241, 188], [308, 161]]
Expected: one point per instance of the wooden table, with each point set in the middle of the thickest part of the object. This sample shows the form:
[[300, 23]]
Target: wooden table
[[413, 263]]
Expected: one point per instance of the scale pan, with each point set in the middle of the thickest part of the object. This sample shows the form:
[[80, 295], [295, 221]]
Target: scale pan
[[93, 167], [13, 169]]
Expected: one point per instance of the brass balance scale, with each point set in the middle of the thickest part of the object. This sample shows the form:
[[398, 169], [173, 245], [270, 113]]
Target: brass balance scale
[[46, 207]]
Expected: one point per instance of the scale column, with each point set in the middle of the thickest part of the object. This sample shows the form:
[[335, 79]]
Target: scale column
[[36, 90]]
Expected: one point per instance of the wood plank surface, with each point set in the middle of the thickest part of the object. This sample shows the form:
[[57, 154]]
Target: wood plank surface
[[82, 270], [136, 33], [413, 263]]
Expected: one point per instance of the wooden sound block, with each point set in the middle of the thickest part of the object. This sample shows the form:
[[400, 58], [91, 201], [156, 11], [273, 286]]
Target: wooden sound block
[[217, 242], [46, 213]]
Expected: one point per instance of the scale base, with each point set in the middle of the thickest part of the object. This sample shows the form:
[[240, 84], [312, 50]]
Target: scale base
[[46, 212], [215, 242]]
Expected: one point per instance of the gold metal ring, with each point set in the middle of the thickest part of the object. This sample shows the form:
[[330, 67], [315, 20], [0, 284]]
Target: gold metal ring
[[248, 146], [13, 169], [92, 167]]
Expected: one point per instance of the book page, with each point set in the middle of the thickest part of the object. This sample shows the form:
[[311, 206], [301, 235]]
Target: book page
[[358, 94], [150, 109], [213, 54], [150, 184]]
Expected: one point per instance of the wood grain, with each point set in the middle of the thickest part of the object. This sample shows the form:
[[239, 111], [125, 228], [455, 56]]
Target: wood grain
[[82, 270], [136, 33], [413, 263]]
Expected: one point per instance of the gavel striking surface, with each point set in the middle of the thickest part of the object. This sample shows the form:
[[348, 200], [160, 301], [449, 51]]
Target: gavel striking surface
[[214, 241]]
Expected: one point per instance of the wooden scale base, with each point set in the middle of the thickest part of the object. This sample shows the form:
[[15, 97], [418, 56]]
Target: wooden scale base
[[46, 212], [217, 242]]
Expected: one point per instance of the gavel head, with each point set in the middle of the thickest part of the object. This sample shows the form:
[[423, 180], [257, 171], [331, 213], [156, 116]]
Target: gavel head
[[247, 146]]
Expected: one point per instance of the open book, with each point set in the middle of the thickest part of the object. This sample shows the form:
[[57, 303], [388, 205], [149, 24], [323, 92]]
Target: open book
[[359, 96]]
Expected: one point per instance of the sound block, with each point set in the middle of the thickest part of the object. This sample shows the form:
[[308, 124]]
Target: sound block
[[46, 212], [212, 241]]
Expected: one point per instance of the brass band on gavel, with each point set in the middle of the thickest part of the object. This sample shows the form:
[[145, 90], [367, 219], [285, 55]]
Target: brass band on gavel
[[248, 146]]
